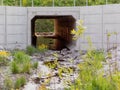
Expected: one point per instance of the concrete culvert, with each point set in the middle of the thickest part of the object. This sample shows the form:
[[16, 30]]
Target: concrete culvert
[[60, 37]]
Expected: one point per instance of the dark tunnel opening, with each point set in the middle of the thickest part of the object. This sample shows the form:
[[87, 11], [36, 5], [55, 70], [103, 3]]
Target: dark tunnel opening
[[61, 36]]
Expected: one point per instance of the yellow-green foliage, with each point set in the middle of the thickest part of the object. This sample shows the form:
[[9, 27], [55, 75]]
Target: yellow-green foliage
[[3, 58], [80, 30], [42, 47], [4, 53], [91, 73], [8, 83], [24, 2]]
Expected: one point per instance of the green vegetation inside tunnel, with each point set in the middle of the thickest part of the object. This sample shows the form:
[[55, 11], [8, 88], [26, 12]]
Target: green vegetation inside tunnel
[[53, 31]]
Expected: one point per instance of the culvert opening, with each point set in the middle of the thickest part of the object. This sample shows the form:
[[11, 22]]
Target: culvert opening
[[53, 31]]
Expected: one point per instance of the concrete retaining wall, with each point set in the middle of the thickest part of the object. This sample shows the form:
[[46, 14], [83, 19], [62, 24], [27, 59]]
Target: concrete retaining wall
[[99, 21], [15, 23], [13, 27]]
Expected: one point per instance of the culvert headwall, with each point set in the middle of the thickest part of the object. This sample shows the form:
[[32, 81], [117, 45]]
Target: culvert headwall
[[63, 24], [15, 24]]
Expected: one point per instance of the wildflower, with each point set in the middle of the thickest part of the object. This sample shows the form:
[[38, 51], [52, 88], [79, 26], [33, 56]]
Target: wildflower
[[42, 47], [4, 53]]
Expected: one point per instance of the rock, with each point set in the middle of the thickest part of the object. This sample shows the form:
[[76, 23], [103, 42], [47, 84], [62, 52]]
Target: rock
[[31, 86], [1, 48]]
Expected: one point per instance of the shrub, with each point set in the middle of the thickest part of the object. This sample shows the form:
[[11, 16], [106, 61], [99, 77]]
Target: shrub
[[20, 82]]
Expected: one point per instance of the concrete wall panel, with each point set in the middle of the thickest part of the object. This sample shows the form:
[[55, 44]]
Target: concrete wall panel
[[91, 10], [16, 29], [2, 19], [111, 9], [2, 10], [16, 20], [92, 19], [111, 18], [12, 46], [17, 38], [21, 11], [15, 23], [93, 28], [2, 29], [1, 39]]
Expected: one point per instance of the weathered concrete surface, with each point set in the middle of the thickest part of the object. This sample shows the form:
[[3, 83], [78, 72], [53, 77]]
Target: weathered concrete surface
[[15, 23]]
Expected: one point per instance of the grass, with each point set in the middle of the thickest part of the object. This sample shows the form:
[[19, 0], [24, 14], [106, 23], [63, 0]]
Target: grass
[[8, 84], [35, 65], [30, 50], [20, 82], [21, 63], [14, 67]]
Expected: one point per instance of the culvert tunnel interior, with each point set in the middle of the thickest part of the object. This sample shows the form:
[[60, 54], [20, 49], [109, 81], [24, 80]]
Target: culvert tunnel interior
[[60, 37]]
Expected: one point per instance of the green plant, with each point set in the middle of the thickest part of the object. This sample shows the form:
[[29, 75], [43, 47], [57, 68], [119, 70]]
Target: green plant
[[3, 61], [3, 58], [8, 84], [35, 65], [21, 63], [42, 47], [31, 50], [26, 67], [14, 67], [20, 56], [80, 30], [91, 74], [20, 82]]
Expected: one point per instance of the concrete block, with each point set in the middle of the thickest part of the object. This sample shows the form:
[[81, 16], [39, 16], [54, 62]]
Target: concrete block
[[93, 19], [13, 46], [111, 28], [2, 10], [2, 41], [16, 29], [2, 19], [2, 29], [95, 38], [93, 28], [16, 20], [16, 11], [16, 39], [113, 8], [91, 10], [111, 18]]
